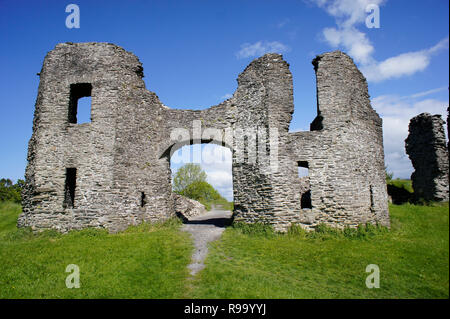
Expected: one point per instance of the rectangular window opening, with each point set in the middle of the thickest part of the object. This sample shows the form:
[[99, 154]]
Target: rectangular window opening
[[305, 201], [69, 188], [303, 172], [303, 169], [372, 206], [80, 103]]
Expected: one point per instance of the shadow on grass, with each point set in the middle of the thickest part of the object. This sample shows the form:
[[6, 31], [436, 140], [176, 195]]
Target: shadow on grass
[[218, 222], [399, 194]]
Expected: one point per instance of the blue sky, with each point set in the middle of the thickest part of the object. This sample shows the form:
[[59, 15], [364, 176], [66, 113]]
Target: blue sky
[[192, 52]]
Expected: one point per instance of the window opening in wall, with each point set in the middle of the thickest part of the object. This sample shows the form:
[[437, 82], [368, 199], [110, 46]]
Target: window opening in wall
[[143, 200], [303, 169], [305, 201], [80, 103], [371, 198], [69, 188]]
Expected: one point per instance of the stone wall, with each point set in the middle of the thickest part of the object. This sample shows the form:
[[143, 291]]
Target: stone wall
[[188, 207], [427, 149], [121, 159], [344, 149]]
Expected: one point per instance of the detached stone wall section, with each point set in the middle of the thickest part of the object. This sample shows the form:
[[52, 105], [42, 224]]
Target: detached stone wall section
[[427, 149], [188, 207], [115, 170]]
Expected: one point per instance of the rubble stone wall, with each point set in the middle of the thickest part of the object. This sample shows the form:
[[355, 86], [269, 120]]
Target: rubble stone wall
[[122, 157], [427, 149]]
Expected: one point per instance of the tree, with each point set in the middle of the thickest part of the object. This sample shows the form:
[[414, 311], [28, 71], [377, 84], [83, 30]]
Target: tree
[[10, 191], [201, 191], [186, 175]]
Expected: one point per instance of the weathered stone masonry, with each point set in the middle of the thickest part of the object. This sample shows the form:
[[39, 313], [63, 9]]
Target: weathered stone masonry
[[115, 170], [427, 149]]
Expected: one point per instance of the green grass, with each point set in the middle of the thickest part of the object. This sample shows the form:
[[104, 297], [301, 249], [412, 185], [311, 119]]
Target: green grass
[[249, 261], [8, 216], [147, 261], [254, 262], [402, 183]]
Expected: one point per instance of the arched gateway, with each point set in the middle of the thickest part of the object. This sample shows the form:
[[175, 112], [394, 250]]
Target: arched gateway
[[95, 174]]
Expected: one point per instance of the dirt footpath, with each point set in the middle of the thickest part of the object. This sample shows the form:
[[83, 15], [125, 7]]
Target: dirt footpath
[[204, 229]]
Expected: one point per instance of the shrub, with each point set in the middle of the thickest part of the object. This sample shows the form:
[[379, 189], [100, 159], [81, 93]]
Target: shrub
[[10, 191]]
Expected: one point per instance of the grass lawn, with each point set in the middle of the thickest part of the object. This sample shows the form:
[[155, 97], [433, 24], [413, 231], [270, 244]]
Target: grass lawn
[[150, 261], [413, 259], [402, 183]]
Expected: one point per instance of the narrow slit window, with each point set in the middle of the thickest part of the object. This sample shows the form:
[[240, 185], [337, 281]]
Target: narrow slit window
[[80, 103], [69, 188], [303, 169], [372, 207], [143, 200]]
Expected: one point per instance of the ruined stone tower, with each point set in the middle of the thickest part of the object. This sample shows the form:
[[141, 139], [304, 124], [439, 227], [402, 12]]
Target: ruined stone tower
[[115, 170], [427, 149]]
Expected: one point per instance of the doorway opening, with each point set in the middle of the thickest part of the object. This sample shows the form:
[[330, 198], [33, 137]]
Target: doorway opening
[[202, 173]]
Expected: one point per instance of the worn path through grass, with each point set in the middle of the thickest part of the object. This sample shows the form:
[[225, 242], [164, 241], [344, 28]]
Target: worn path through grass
[[151, 261], [205, 229]]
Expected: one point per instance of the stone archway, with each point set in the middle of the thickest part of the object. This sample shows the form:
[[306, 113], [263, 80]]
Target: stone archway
[[120, 154]]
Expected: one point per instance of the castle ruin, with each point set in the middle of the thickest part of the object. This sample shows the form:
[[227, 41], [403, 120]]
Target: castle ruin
[[115, 170], [427, 149]]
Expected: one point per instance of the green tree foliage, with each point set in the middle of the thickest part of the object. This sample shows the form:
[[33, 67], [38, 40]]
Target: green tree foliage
[[190, 181], [201, 191], [186, 175], [10, 191]]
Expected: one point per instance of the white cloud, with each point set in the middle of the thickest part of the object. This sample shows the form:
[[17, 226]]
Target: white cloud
[[403, 64], [398, 66], [396, 112], [220, 178], [425, 93], [226, 96], [347, 12], [216, 162], [350, 13], [442, 45], [260, 48], [355, 42]]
